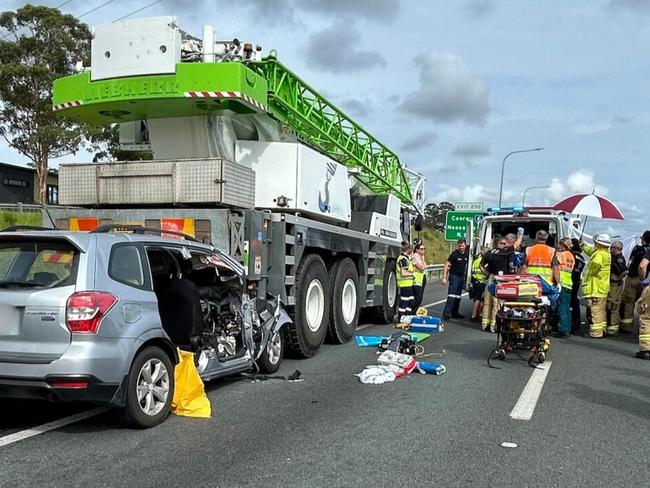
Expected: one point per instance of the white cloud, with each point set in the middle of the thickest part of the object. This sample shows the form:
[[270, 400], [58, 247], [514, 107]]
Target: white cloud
[[580, 181], [469, 193], [419, 141], [633, 6], [449, 91], [334, 50], [477, 9], [601, 126], [471, 150], [380, 10]]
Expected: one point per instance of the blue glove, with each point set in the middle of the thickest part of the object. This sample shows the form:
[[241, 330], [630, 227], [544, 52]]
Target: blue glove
[[645, 282]]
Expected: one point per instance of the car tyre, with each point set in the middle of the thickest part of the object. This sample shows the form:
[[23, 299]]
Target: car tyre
[[150, 389], [344, 305], [310, 324], [270, 359]]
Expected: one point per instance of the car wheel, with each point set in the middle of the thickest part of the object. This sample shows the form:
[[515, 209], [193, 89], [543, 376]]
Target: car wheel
[[308, 330], [344, 308], [269, 361], [150, 388], [385, 312]]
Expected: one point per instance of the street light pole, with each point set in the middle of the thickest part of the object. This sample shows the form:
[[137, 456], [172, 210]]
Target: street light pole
[[503, 165], [523, 198]]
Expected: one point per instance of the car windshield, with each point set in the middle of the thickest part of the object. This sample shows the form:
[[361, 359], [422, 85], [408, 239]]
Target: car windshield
[[35, 263]]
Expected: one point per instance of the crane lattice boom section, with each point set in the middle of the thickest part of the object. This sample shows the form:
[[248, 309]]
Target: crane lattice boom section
[[328, 129]]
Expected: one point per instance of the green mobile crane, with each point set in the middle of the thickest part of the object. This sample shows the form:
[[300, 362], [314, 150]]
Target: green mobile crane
[[249, 157]]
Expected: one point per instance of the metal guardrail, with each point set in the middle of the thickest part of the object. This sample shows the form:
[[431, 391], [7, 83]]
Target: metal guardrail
[[21, 207], [434, 269]]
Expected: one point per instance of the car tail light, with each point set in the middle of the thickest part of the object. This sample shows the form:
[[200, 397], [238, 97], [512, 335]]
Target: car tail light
[[85, 310], [69, 384]]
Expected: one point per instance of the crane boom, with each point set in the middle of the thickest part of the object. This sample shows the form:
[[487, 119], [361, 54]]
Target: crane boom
[[322, 125], [191, 80]]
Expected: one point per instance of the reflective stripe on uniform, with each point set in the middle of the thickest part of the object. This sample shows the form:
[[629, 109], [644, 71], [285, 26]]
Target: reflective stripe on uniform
[[566, 261], [403, 281]]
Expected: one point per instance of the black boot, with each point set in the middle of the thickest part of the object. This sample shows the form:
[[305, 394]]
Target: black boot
[[643, 354]]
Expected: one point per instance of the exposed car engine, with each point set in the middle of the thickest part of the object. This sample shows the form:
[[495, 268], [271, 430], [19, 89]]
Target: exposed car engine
[[222, 319]]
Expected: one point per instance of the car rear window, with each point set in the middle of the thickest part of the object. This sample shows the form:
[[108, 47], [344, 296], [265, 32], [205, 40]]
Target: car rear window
[[34, 263]]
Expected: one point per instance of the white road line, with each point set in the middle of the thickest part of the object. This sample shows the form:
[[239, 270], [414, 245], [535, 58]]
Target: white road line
[[361, 327], [55, 424], [425, 306], [440, 301], [525, 406]]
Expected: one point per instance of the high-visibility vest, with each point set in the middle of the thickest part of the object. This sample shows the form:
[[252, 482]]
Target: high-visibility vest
[[540, 259], [596, 279], [404, 281], [567, 261], [418, 276], [477, 274]]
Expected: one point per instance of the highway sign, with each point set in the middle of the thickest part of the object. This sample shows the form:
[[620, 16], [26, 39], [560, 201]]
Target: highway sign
[[456, 224], [468, 206]]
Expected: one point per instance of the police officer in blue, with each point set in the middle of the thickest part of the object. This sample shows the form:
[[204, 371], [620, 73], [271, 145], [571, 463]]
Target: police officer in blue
[[454, 273]]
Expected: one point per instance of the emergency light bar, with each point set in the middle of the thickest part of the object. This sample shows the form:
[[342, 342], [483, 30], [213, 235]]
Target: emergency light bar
[[514, 210]]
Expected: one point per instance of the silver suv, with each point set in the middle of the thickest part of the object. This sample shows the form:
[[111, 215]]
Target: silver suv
[[98, 317]]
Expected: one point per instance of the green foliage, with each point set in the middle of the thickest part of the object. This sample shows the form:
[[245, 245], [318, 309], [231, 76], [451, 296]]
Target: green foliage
[[44, 45], [435, 214], [9, 217], [436, 248]]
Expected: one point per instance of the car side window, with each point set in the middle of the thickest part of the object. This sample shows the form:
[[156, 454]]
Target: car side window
[[125, 265]]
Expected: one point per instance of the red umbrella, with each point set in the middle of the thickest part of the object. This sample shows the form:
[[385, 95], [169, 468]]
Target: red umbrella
[[590, 205]]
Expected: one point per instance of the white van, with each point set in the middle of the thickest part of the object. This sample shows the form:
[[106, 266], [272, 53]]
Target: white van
[[498, 222]]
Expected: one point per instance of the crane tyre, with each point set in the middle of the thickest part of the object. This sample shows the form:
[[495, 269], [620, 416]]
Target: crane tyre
[[311, 314], [344, 304]]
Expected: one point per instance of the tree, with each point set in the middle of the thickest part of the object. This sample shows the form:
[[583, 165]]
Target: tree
[[436, 213], [43, 45]]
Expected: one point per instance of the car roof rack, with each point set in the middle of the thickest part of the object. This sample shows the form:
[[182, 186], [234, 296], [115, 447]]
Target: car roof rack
[[140, 229], [14, 228]]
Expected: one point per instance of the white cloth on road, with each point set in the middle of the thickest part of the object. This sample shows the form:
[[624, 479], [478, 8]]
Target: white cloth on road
[[377, 374]]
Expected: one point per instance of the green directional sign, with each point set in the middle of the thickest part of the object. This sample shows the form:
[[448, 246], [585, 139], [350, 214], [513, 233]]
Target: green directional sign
[[456, 224]]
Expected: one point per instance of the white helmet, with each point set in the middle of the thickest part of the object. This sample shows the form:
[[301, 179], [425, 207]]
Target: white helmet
[[603, 240]]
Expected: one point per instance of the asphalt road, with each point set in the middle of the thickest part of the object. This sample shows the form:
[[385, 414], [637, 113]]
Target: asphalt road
[[590, 425]]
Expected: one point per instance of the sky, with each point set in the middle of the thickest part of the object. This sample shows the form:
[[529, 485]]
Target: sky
[[453, 87]]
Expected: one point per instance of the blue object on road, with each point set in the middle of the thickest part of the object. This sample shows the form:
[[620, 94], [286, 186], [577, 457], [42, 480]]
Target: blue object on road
[[425, 319], [430, 368], [374, 341]]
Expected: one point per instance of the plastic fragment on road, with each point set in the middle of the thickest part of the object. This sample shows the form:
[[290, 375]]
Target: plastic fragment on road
[[189, 399], [402, 361], [430, 368], [510, 445], [374, 341]]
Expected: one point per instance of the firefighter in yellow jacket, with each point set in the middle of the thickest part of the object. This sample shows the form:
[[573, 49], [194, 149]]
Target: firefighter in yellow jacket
[[595, 286], [643, 307]]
